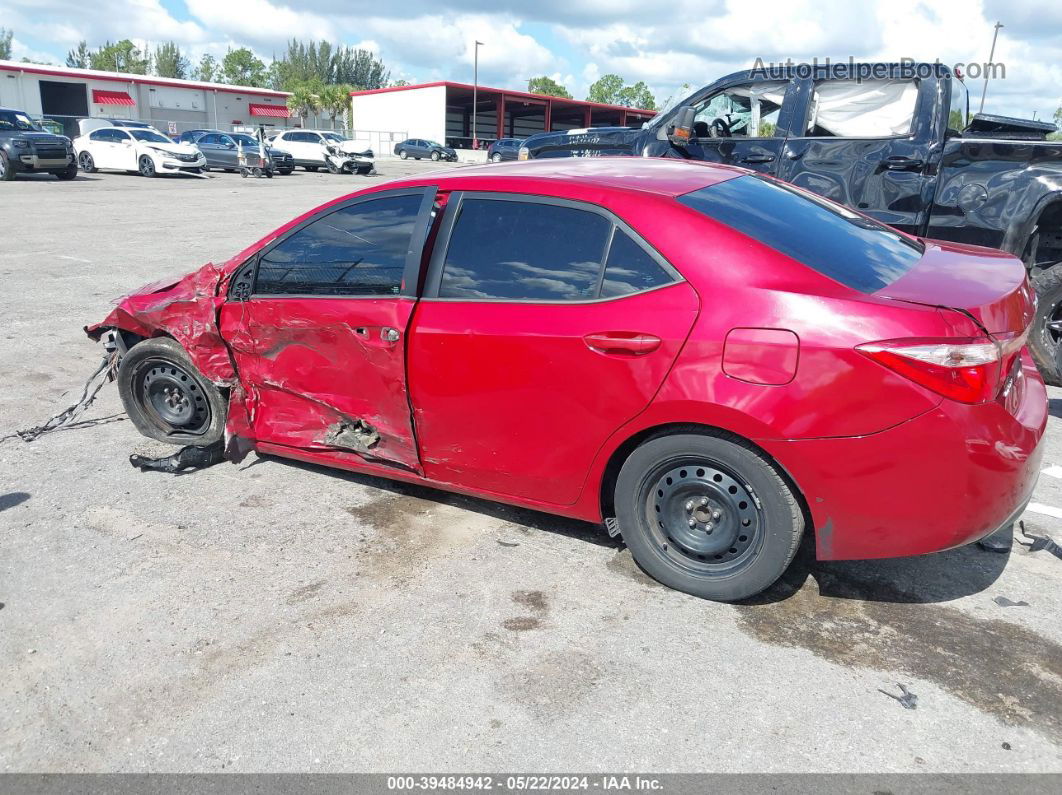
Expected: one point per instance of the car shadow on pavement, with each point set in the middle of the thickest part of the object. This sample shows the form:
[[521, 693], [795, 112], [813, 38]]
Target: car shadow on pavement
[[926, 579]]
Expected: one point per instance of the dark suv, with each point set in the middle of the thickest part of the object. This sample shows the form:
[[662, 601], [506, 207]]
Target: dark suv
[[504, 149], [26, 148]]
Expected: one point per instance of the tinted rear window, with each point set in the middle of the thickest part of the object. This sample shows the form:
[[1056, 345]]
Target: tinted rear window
[[858, 252]]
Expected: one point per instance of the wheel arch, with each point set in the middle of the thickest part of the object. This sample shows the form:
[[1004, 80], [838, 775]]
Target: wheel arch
[[1025, 240], [610, 473]]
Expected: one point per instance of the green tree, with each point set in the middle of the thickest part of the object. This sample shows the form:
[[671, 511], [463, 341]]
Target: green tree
[[399, 83], [79, 57], [327, 64], [359, 69], [5, 43], [637, 96], [207, 70], [123, 56], [548, 86], [334, 100], [169, 62], [606, 89], [1057, 136], [242, 67], [305, 100]]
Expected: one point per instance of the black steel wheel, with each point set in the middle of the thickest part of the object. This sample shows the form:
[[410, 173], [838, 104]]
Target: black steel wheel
[[86, 163], [167, 398], [707, 514]]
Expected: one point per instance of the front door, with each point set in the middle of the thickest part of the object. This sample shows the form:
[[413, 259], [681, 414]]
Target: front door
[[545, 326], [125, 156], [317, 323], [741, 125], [869, 145]]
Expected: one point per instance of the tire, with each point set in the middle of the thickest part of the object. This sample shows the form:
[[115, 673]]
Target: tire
[[146, 166], [333, 169], [403, 154], [496, 158], [86, 163], [311, 168], [167, 398], [1044, 340], [230, 170], [7, 171], [435, 156], [205, 169], [747, 522], [67, 173], [285, 171]]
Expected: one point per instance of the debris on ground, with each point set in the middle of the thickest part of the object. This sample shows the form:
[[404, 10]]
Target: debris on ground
[[1003, 601], [105, 372], [908, 700], [508, 543], [191, 457], [1038, 542], [1000, 541]]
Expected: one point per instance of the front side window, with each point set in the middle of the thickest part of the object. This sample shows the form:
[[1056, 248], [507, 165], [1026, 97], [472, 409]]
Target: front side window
[[852, 249], [356, 250], [749, 111], [959, 106], [862, 109]]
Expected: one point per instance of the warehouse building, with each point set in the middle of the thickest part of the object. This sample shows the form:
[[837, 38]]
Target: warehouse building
[[64, 95], [443, 112]]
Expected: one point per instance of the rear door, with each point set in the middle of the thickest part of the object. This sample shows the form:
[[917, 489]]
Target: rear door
[[208, 145], [870, 144], [317, 324], [743, 124], [526, 353]]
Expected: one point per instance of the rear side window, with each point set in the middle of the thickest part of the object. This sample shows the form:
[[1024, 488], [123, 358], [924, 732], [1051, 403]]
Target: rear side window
[[630, 268], [527, 251], [358, 250], [856, 251]]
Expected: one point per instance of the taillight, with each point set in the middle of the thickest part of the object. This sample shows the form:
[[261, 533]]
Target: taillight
[[966, 370]]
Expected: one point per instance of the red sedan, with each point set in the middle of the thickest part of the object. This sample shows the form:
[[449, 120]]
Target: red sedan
[[709, 361]]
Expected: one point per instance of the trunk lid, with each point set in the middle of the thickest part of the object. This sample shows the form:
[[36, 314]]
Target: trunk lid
[[988, 285]]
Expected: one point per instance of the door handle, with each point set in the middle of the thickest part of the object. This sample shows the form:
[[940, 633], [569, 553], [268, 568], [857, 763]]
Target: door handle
[[613, 342], [899, 163], [758, 159]]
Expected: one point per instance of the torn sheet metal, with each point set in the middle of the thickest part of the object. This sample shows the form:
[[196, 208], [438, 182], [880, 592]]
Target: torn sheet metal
[[191, 457], [186, 310]]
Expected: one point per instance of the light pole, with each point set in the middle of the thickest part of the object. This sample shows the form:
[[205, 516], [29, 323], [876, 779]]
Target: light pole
[[991, 54], [475, 92]]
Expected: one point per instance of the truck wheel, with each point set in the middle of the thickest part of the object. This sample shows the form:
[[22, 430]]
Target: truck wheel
[[88, 165], [1046, 333], [67, 173], [6, 171], [167, 398], [707, 515], [311, 168]]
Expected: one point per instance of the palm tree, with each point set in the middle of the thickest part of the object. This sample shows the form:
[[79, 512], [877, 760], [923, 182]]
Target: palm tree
[[335, 100], [304, 100]]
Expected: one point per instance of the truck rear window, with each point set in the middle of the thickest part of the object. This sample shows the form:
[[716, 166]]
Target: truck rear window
[[856, 251]]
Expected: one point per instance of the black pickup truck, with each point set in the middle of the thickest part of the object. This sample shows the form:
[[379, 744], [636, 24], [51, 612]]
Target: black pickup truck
[[26, 148], [894, 141]]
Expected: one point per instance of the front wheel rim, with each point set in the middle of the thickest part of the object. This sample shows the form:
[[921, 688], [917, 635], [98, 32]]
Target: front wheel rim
[[171, 397], [702, 517], [147, 168]]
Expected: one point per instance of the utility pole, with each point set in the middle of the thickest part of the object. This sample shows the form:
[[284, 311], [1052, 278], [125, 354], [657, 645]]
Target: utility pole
[[475, 93], [991, 54]]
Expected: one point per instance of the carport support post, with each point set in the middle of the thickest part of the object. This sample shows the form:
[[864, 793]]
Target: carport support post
[[548, 122], [586, 117], [499, 112]]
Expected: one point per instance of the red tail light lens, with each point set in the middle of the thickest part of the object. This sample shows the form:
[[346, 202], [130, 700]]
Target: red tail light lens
[[966, 370]]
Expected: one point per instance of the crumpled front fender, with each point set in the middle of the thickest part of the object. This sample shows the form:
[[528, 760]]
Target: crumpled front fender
[[187, 311]]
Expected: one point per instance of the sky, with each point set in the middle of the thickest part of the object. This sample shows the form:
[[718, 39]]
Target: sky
[[576, 41]]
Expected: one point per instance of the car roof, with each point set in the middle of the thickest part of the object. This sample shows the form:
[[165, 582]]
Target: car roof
[[661, 176]]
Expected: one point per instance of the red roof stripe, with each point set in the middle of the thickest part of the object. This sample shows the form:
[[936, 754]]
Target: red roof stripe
[[100, 97], [272, 111]]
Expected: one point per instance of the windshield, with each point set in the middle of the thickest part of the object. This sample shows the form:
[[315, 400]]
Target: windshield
[[243, 139], [677, 98], [331, 136], [14, 120], [150, 136], [432, 143]]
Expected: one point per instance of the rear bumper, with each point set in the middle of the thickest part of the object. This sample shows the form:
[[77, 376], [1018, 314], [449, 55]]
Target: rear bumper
[[943, 479]]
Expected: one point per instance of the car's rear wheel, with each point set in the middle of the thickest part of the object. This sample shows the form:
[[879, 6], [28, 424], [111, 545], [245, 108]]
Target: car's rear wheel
[[403, 154], [146, 166], [1045, 336], [167, 398], [86, 163], [707, 515]]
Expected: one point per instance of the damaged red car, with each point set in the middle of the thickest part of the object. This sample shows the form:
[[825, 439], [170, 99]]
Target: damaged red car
[[711, 362]]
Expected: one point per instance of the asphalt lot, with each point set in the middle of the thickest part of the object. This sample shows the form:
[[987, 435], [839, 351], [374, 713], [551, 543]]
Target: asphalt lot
[[272, 616]]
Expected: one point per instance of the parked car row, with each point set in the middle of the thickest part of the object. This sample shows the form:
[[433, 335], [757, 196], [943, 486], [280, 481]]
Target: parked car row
[[135, 146]]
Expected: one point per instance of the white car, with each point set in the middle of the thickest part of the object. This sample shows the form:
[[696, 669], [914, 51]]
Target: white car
[[142, 149], [307, 148]]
